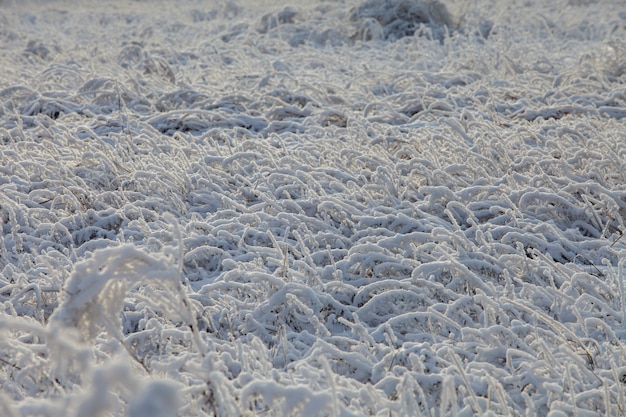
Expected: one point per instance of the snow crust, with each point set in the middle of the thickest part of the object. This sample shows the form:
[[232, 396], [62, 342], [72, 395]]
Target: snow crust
[[327, 208]]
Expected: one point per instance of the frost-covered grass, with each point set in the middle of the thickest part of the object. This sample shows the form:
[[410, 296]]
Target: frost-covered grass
[[251, 209]]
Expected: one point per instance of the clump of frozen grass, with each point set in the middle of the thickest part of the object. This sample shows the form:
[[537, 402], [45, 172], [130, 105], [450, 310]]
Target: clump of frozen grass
[[395, 19], [95, 294], [434, 221]]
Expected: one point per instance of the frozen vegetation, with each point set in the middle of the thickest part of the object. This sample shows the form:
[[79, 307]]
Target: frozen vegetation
[[330, 208]]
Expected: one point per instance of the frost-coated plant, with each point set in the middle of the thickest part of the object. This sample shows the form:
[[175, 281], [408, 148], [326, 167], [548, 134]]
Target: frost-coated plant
[[312, 209]]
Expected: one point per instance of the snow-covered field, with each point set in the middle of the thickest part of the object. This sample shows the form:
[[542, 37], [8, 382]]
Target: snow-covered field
[[333, 208]]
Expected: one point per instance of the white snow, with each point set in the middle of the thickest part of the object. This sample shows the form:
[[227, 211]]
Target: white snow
[[322, 208]]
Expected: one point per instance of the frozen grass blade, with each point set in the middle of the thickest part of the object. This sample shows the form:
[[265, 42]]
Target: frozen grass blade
[[475, 405]]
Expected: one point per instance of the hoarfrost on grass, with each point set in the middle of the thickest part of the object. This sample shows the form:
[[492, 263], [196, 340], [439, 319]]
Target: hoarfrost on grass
[[335, 208]]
